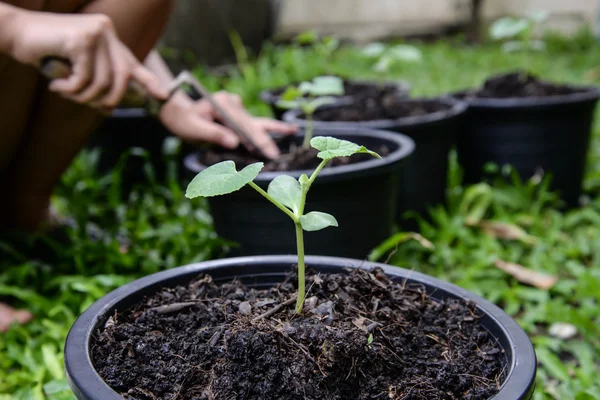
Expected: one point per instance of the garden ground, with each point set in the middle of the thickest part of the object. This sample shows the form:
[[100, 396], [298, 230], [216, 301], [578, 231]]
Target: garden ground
[[166, 230]]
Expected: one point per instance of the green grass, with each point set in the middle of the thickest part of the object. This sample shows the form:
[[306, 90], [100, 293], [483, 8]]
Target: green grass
[[167, 231]]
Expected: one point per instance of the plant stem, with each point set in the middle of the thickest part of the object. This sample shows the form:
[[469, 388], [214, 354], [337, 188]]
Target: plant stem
[[309, 130], [301, 268], [300, 237], [275, 202]]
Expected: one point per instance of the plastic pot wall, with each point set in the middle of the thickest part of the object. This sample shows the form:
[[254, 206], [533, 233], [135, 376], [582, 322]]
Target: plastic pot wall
[[264, 272], [552, 134], [126, 129], [269, 96], [361, 196], [423, 179]]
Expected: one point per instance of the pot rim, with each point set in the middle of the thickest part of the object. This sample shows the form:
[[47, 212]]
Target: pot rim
[[586, 94], [456, 108], [406, 147], [87, 383], [267, 95]]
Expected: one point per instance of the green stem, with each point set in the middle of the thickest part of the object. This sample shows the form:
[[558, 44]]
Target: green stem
[[301, 268], [306, 187], [309, 130], [275, 202]]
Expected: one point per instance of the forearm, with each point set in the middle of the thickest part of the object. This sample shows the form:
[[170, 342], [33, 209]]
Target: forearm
[[8, 15], [139, 23]]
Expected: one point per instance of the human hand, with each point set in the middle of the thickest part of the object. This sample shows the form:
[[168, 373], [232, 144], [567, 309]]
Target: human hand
[[194, 121], [101, 65]]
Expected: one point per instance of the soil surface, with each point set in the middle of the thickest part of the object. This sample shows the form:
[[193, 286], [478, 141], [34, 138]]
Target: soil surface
[[519, 84], [293, 157], [362, 90], [360, 336], [371, 109]]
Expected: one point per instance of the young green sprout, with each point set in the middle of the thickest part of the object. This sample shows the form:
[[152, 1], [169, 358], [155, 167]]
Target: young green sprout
[[519, 32], [308, 96], [285, 192]]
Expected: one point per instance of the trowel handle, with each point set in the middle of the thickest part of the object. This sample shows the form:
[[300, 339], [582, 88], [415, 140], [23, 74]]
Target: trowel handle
[[135, 96]]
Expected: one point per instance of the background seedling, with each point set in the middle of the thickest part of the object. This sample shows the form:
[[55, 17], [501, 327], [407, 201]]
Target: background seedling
[[285, 192], [519, 32], [308, 96]]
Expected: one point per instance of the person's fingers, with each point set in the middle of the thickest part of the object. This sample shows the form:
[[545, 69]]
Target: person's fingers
[[273, 125], [102, 80], [82, 68], [9, 315], [150, 82], [266, 144], [206, 131]]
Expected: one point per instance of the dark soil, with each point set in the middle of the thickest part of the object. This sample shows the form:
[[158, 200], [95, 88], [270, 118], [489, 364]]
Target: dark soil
[[360, 336], [518, 84], [370, 109], [293, 158], [356, 89]]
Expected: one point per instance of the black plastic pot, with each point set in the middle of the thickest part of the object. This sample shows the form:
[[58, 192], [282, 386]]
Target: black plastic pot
[[127, 128], [361, 196], [264, 272], [272, 96], [549, 133], [423, 180]]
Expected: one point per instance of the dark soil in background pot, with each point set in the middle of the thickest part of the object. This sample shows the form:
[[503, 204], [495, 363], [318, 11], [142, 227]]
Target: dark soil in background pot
[[293, 157], [354, 90], [361, 336], [369, 109], [518, 84]]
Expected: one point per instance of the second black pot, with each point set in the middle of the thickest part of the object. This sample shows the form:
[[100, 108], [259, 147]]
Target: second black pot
[[423, 180], [361, 196], [548, 133], [391, 88]]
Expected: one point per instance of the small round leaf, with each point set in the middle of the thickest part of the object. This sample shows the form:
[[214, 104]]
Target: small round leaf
[[315, 221]]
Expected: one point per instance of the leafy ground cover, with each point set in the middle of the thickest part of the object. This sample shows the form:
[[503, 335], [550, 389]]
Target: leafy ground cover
[[482, 228]]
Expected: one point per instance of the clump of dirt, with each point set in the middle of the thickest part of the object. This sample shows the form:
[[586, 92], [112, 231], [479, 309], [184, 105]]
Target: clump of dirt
[[518, 84], [294, 157], [361, 336]]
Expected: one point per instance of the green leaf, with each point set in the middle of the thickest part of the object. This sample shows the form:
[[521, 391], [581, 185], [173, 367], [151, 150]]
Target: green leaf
[[308, 37], [404, 52], [330, 147], [287, 191], [315, 221], [288, 104], [310, 107], [370, 338], [291, 93], [507, 27], [553, 364], [221, 178], [373, 50], [327, 86]]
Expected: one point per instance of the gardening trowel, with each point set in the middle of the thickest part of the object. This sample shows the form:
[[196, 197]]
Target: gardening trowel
[[136, 96]]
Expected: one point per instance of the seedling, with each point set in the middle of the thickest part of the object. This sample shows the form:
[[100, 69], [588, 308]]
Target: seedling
[[388, 56], [285, 192], [308, 96], [519, 32]]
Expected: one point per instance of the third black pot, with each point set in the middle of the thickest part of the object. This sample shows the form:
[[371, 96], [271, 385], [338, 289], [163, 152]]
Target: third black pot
[[423, 180], [361, 196], [548, 133], [264, 272]]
